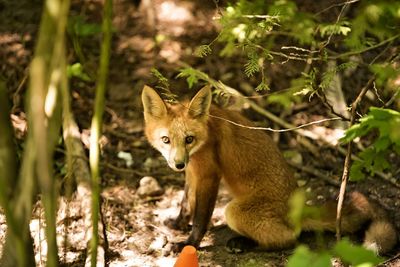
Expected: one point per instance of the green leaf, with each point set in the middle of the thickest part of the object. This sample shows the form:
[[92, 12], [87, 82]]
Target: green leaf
[[394, 134], [78, 26], [384, 72], [379, 163], [262, 86], [387, 121], [382, 144], [163, 82], [253, 65], [356, 173], [76, 70], [357, 130], [190, 75], [202, 51], [304, 257], [368, 157], [296, 207], [356, 255], [340, 28], [383, 113]]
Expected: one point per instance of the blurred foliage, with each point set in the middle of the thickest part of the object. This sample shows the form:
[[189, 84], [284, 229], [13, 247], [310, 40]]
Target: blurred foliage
[[76, 70], [344, 250], [349, 253], [80, 30], [385, 125], [78, 26], [255, 29]]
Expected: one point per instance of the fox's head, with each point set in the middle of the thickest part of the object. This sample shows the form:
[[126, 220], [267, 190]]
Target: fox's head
[[179, 130]]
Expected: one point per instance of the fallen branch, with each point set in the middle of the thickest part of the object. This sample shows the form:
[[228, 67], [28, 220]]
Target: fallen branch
[[315, 172]]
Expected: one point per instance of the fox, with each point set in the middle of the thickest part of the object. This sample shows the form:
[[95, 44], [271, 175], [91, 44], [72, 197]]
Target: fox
[[198, 138]]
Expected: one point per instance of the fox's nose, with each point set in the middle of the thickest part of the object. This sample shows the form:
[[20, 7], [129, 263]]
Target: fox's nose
[[180, 165]]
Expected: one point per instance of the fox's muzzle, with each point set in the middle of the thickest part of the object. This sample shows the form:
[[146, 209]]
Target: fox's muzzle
[[178, 159]]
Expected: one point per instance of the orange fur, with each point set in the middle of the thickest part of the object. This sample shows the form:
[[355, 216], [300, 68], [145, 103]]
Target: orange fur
[[248, 161]]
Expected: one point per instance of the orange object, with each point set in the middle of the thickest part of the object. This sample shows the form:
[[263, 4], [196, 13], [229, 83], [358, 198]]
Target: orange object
[[187, 258]]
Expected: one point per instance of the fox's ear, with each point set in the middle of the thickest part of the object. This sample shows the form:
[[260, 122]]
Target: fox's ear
[[200, 104], [153, 105]]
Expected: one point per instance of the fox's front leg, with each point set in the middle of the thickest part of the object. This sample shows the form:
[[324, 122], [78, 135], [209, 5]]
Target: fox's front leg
[[203, 192], [182, 221]]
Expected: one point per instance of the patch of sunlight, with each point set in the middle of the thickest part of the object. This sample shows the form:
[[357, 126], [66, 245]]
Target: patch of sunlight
[[51, 97], [38, 235], [129, 259], [330, 135], [170, 11], [165, 262], [171, 51]]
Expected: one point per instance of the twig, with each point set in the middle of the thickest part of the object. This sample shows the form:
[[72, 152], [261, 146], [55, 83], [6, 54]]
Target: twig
[[125, 170], [350, 53], [331, 108], [315, 172], [16, 97], [347, 160], [337, 21], [377, 94], [276, 130], [336, 5], [306, 57], [261, 16], [392, 99], [385, 263], [299, 49]]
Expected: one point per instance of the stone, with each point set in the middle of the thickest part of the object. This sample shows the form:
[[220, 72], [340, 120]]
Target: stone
[[149, 187]]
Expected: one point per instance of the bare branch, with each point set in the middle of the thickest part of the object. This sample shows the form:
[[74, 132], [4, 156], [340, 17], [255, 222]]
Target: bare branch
[[337, 5], [347, 161], [277, 130]]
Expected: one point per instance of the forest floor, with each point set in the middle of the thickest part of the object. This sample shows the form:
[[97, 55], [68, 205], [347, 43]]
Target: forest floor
[[161, 36]]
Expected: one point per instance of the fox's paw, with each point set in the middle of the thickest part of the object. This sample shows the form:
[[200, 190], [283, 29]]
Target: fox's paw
[[240, 244], [175, 248], [177, 224]]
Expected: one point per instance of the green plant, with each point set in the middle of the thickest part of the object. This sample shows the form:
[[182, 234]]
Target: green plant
[[275, 32], [76, 70], [78, 30], [349, 253], [385, 124]]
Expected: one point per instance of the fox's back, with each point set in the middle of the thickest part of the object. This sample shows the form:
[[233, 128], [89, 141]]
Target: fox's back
[[250, 162]]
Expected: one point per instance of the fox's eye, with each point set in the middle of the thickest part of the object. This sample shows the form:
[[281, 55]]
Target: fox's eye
[[189, 139], [165, 139]]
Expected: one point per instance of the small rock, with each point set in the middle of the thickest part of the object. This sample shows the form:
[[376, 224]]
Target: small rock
[[309, 203], [149, 187], [158, 243], [301, 183], [127, 157]]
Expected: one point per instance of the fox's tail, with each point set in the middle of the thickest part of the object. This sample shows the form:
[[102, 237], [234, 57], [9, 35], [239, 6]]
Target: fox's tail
[[358, 212]]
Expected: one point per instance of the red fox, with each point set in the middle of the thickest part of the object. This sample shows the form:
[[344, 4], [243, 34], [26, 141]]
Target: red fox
[[196, 137]]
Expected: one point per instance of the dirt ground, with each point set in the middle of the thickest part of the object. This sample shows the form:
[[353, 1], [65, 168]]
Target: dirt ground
[[160, 36]]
